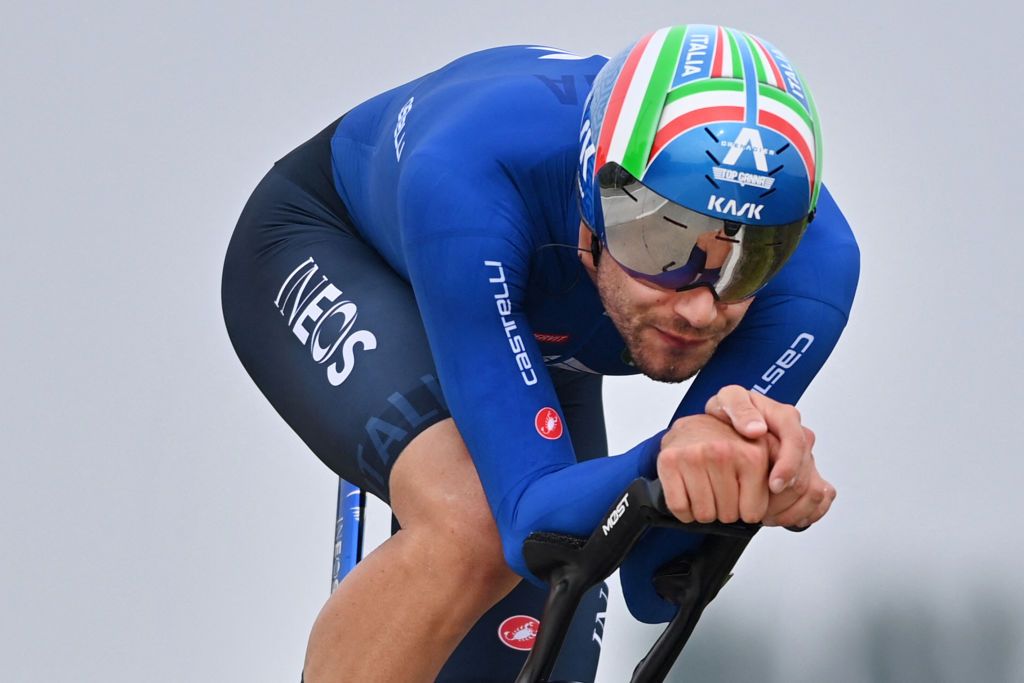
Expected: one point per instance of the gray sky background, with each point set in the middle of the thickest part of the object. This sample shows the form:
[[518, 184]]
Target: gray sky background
[[160, 523]]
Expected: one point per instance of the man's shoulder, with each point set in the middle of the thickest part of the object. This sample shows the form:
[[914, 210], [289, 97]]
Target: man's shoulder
[[487, 119], [826, 265], [525, 59], [505, 84], [500, 86]]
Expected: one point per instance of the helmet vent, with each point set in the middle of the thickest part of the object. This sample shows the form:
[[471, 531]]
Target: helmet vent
[[710, 134], [712, 156], [782, 149], [776, 169], [765, 194], [708, 178]]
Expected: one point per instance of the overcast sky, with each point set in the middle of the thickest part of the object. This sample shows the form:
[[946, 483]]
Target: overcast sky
[[159, 522]]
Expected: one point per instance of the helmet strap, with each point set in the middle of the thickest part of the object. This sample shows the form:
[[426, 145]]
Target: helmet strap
[[595, 249]]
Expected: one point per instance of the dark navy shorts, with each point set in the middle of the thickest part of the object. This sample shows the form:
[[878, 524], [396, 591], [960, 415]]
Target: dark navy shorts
[[304, 298]]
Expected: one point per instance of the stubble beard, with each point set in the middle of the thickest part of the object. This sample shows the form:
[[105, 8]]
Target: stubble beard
[[673, 365]]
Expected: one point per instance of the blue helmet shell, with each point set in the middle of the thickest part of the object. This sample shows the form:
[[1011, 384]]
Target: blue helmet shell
[[711, 118]]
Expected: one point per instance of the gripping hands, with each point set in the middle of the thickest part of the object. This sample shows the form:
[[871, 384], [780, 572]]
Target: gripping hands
[[747, 459]]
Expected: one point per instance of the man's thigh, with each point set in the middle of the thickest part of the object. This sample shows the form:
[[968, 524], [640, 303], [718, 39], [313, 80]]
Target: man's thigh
[[329, 333], [333, 338]]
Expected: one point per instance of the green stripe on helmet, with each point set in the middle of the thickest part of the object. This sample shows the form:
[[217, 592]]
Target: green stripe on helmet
[[638, 149], [818, 149], [734, 50], [791, 103], [708, 84], [762, 76]]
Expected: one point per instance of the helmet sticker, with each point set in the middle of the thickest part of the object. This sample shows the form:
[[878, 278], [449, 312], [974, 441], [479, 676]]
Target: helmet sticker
[[749, 140]]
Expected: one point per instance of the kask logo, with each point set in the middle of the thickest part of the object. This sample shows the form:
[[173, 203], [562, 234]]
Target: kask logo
[[321, 322], [748, 210], [519, 632]]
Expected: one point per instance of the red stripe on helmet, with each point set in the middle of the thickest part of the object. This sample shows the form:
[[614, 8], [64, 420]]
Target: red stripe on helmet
[[716, 64], [784, 128], [697, 117], [611, 115], [771, 62]]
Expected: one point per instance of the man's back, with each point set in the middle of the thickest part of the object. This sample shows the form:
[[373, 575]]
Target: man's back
[[493, 133]]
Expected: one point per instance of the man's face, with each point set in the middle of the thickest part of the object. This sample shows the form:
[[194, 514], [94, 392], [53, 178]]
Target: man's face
[[670, 335]]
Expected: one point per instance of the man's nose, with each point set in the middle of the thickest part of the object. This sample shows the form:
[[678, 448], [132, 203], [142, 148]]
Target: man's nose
[[696, 306]]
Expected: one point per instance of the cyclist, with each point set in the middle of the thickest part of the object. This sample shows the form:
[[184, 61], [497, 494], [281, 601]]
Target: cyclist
[[430, 289]]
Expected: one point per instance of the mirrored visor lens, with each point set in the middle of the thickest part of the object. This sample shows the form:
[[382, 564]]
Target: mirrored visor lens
[[670, 246]]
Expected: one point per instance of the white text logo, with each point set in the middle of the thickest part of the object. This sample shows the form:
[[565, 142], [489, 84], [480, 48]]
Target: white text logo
[[587, 148], [749, 139], [787, 360], [792, 81], [400, 129], [746, 210], [302, 303], [695, 55], [555, 53], [599, 620], [504, 305], [616, 515], [731, 175]]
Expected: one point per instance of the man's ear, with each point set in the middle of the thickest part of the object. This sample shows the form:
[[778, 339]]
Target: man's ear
[[590, 249]]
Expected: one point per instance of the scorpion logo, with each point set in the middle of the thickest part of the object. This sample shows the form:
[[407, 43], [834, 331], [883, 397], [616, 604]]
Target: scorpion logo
[[519, 632], [548, 423]]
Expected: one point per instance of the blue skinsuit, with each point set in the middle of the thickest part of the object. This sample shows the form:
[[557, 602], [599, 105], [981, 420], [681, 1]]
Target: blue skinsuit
[[464, 181]]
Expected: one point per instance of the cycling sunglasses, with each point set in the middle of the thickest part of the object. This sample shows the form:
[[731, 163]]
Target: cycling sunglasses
[[672, 247]]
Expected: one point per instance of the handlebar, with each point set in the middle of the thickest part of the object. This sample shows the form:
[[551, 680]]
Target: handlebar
[[572, 565]]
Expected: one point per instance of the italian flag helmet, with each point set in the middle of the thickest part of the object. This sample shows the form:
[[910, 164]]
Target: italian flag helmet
[[694, 137]]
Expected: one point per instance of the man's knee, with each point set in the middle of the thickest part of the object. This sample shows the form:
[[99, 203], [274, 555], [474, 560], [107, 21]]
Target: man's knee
[[437, 496]]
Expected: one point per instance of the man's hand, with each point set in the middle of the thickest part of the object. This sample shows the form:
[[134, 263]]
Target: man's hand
[[710, 472], [800, 496], [806, 501]]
